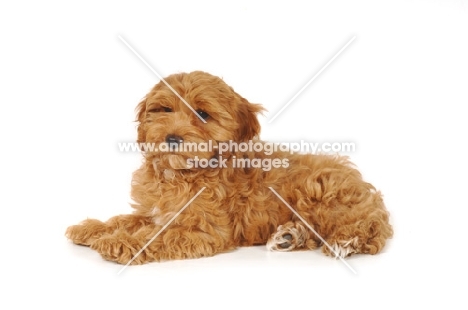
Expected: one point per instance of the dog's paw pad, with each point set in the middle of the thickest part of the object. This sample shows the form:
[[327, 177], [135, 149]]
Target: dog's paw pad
[[286, 238], [286, 244]]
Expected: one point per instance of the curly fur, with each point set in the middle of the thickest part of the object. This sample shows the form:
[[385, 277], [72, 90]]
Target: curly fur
[[237, 207]]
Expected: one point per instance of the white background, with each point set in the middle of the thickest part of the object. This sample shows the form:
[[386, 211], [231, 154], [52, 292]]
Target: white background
[[69, 87]]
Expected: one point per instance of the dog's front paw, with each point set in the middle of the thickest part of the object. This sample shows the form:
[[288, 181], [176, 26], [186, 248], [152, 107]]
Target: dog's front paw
[[290, 236], [121, 248], [86, 232]]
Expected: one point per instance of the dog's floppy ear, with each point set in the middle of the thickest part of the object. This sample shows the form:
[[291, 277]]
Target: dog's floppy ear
[[141, 115], [250, 127]]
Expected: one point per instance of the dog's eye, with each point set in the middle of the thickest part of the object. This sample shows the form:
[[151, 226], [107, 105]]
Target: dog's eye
[[203, 114], [161, 109]]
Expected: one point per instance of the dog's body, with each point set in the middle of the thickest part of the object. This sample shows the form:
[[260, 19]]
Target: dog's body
[[235, 206]]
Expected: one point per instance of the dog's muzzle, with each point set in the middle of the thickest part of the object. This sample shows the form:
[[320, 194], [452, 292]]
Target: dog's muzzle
[[174, 141]]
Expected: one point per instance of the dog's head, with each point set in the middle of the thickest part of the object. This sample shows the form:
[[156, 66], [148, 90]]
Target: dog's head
[[167, 122]]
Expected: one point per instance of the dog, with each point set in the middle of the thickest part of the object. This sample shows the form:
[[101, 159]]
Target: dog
[[198, 203]]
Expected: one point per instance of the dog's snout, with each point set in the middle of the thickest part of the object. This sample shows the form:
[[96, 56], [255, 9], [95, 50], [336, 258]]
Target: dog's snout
[[174, 140]]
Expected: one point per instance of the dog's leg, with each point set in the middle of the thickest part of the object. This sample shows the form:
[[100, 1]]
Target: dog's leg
[[176, 242], [291, 236], [122, 245], [367, 236], [90, 230], [348, 212]]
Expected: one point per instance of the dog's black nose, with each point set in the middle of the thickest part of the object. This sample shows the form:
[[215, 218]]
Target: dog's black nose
[[173, 140]]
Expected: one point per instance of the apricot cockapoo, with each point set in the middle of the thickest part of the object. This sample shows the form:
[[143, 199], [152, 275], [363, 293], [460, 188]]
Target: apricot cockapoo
[[235, 203]]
